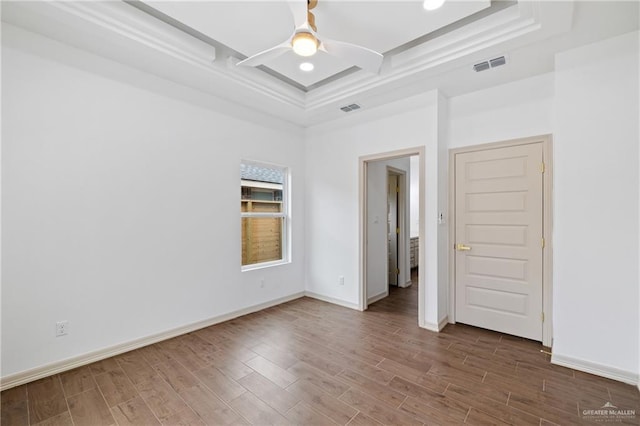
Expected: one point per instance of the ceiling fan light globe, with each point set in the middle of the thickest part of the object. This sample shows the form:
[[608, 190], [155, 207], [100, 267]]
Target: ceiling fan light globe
[[304, 44], [432, 4]]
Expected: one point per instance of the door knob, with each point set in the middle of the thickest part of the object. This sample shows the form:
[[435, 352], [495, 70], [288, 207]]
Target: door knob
[[462, 247]]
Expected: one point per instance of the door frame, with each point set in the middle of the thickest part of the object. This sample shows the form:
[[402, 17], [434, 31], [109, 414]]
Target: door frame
[[363, 228], [547, 226]]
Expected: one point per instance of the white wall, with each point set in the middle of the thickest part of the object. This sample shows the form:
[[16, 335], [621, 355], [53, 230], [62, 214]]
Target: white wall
[[332, 193], [596, 204], [510, 111], [377, 238], [121, 209]]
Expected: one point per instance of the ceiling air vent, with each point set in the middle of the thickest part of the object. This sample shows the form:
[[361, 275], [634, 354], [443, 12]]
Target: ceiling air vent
[[496, 62], [481, 66], [491, 63], [349, 108]]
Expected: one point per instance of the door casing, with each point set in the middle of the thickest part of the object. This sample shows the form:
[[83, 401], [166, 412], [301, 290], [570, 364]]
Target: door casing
[[547, 215]]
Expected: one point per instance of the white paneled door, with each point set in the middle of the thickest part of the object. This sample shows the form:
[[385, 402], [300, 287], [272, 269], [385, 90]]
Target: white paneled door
[[498, 239]]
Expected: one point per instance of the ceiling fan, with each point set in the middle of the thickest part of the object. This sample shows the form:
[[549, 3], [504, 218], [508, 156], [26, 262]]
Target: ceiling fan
[[305, 41]]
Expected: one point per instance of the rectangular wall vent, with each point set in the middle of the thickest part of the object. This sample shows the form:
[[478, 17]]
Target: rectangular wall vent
[[481, 66], [491, 63], [496, 62], [349, 108]]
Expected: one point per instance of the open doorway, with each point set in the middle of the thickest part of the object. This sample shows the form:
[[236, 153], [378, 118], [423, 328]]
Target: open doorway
[[390, 212]]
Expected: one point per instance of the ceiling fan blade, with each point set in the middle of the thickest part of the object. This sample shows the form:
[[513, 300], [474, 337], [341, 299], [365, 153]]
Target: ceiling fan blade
[[298, 11], [362, 57], [266, 55]]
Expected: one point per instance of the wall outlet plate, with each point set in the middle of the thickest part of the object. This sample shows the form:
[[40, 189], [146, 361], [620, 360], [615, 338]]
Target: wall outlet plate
[[62, 328]]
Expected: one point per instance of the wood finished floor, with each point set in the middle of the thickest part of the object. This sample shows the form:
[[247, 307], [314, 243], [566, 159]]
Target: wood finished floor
[[308, 362]]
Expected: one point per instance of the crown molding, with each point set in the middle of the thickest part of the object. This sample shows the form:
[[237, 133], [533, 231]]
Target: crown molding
[[111, 16], [410, 102], [137, 26], [117, 20]]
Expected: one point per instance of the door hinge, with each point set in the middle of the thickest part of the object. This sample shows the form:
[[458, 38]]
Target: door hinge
[[542, 168], [542, 316], [398, 231], [397, 189], [542, 242], [397, 271]]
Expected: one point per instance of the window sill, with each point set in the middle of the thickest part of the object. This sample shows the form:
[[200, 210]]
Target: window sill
[[264, 265]]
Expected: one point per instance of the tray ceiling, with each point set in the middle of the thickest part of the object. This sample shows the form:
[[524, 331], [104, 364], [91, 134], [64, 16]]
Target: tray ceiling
[[249, 27]]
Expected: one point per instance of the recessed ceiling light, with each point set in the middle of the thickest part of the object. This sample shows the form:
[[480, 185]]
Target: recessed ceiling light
[[432, 4], [306, 66]]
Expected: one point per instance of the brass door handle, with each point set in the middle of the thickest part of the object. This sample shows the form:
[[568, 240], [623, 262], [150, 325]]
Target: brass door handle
[[462, 247]]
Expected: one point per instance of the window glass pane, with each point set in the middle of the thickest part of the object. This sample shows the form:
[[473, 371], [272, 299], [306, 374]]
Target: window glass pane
[[264, 184], [261, 239], [261, 206], [253, 191]]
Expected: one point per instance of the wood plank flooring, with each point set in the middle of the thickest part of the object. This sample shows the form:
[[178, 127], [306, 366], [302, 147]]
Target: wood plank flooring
[[308, 362]]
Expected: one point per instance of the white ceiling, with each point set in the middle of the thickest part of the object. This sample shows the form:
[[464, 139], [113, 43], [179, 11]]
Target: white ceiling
[[249, 27], [198, 47]]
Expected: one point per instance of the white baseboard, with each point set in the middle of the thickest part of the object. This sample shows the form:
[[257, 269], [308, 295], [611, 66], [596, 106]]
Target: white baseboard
[[332, 300], [374, 299], [30, 375], [405, 285], [597, 369], [437, 327]]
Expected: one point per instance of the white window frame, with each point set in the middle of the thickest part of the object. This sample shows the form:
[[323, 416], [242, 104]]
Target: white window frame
[[284, 214]]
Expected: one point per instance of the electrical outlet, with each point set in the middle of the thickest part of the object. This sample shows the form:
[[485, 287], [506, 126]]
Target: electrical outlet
[[341, 280], [62, 328]]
